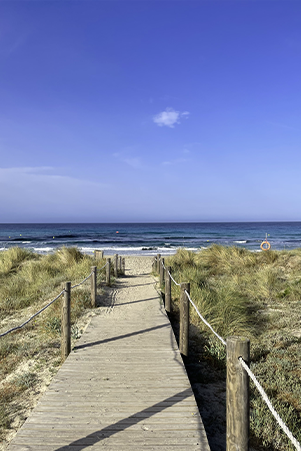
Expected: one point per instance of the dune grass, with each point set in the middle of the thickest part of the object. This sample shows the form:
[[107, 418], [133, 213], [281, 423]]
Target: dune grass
[[28, 282], [255, 295]]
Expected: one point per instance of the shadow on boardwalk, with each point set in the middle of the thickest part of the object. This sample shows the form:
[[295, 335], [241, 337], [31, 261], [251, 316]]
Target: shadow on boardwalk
[[121, 425], [135, 302], [124, 386], [119, 337]]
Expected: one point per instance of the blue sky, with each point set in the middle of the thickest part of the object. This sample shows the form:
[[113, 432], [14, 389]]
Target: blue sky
[[155, 110]]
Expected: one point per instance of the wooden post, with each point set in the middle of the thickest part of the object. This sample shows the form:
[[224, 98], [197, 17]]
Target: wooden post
[[161, 271], [116, 265], [158, 263], [123, 265], [65, 323], [98, 255], [238, 418], [167, 289], [120, 265], [154, 264], [184, 319], [108, 272], [93, 285]]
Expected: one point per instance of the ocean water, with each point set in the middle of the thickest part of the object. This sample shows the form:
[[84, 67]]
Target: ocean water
[[151, 238]]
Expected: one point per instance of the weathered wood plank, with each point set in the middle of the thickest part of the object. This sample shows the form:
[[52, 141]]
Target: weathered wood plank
[[124, 386]]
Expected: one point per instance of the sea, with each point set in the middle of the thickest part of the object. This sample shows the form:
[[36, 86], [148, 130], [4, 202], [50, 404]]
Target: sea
[[149, 238]]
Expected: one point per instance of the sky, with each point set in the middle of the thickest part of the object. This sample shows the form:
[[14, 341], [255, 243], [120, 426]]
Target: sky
[[150, 111]]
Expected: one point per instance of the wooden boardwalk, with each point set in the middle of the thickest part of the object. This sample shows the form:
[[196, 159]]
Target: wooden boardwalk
[[123, 387]]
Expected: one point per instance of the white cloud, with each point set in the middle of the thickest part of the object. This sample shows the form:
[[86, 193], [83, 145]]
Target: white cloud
[[134, 162], [176, 161], [126, 156], [25, 170], [41, 192], [36, 176], [169, 117]]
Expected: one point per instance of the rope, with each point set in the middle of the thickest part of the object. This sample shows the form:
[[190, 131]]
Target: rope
[[202, 318], [251, 375], [269, 404], [173, 279], [33, 316], [206, 322], [80, 283], [44, 308], [102, 267], [258, 386]]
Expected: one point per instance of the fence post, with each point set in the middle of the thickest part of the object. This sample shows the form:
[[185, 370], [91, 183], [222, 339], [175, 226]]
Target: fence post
[[123, 265], [154, 264], [65, 323], [167, 289], [184, 319], [115, 265], [120, 265], [98, 255], [161, 272], [158, 263], [238, 417], [108, 272], [93, 285]]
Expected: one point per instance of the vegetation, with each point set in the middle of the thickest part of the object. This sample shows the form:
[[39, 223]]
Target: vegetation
[[257, 295], [27, 283]]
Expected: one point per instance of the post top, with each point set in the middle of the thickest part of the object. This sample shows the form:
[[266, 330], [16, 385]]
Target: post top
[[236, 339]]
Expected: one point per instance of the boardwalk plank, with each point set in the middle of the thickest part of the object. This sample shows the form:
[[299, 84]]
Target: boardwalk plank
[[124, 386]]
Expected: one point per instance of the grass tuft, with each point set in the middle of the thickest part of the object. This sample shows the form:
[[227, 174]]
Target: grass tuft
[[256, 295], [28, 282]]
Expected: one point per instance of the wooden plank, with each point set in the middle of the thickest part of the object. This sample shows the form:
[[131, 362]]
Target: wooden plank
[[123, 387]]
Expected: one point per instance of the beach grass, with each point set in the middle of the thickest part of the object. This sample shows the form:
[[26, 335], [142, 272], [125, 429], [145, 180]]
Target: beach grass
[[28, 281], [255, 295]]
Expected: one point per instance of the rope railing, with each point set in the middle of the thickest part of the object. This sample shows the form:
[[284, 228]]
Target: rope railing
[[83, 281], [279, 420], [50, 303], [270, 406], [33, 316], [99, 269], [204, 321], [88, 277], [176, 283]]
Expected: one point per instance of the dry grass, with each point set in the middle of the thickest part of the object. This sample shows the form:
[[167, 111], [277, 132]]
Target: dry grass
[[257, 295], [28, 282]]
